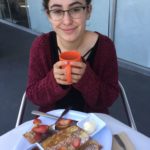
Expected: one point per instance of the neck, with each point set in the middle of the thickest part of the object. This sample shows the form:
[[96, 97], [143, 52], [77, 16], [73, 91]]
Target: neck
[[70, 45]]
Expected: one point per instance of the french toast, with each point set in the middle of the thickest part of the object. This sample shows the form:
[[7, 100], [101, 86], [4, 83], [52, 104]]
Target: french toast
[[71, 138], [90, 145]]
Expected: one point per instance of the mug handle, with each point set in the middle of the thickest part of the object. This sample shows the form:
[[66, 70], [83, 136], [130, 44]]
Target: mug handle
[[68, 73]]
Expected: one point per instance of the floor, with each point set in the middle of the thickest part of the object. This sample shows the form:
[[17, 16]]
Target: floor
[[14, 56]]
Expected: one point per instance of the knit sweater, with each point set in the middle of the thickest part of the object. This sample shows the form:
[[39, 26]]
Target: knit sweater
[[98, 88]]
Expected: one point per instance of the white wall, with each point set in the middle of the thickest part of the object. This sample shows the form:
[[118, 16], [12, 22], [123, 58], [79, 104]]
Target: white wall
[[37, 16], [97, 22], [100, 15], [132, 33]]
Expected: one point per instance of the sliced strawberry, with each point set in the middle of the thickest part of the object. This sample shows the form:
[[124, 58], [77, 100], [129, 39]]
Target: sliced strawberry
[[63, 148], [76, 142], [40, 129], [64, 122], [36, 121], [37, 137]]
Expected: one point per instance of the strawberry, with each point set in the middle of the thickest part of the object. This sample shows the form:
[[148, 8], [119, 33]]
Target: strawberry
[[37, 137], [63, 148], [36, 121], [76, 142], [40, 129], [64, 122]]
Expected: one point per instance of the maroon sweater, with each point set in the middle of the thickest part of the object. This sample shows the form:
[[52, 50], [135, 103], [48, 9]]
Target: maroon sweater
[[96, 90]]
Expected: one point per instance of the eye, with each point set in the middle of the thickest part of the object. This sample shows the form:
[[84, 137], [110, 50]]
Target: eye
[[57, 11], [76, 9]]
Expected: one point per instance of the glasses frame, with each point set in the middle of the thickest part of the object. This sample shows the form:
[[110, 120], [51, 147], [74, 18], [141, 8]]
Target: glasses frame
[[63, 12]]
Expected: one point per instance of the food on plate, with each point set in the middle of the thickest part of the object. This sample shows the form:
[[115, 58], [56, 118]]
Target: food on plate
[[63, 123], [71, 138], [90, 145], [37, 121], [41, 129], [32, 136], [89, 126], [39, 132]]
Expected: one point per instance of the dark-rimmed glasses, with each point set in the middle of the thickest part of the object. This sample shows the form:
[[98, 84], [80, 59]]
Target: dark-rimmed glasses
[[75, 13]]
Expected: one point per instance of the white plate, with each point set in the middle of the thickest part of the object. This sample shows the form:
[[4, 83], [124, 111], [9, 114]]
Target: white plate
[[104, 136]]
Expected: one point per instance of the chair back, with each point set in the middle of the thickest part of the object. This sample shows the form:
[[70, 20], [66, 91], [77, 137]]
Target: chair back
[[127, 107], [123, 95], [21, 110]]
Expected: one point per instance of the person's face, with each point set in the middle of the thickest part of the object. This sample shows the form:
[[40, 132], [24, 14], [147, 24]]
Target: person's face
[[71, 25]]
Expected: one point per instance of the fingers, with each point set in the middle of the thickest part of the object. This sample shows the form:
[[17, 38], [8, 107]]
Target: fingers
[[76, 78], [77, 64], [59, 72], [78, 68], [62, 82], [77, 71], [60, 76], [59, 64]]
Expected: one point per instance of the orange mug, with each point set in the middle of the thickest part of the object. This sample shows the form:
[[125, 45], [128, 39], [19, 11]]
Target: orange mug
[[69, 56]]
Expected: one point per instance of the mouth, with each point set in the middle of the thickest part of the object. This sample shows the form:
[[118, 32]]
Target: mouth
[[69, 30]]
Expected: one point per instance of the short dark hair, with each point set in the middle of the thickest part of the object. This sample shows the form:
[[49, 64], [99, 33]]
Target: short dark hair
[[88, 2], [45, 3]]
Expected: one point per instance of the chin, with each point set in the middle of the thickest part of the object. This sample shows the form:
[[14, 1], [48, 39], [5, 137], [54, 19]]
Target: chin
[[70, 38]]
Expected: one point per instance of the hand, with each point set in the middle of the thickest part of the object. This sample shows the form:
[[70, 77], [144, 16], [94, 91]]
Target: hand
[[60, 73], [78, 69]]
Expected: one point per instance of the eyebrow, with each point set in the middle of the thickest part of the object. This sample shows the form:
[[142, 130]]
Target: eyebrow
[[70, 5]]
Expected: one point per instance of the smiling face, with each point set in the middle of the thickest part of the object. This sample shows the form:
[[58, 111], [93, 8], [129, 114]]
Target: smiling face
[[69, 29]]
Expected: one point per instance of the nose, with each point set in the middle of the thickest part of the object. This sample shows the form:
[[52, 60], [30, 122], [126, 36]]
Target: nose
[[67, 19]]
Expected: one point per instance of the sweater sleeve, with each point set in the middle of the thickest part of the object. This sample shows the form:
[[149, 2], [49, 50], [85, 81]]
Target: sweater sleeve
[[42, 88], [99, 84]]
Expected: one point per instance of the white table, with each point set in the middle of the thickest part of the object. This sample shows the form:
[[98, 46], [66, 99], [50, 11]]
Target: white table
[[141, 141]]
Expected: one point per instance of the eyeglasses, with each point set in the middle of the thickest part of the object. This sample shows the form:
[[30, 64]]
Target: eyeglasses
[[75, 13]]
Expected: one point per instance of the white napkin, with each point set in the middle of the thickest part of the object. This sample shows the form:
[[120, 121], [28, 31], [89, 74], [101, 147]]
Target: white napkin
[[125, 140]]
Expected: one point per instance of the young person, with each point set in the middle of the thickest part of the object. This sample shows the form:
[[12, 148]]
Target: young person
[[94, 81]]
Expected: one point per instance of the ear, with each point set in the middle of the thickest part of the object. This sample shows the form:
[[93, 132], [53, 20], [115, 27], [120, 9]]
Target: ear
[[89, 10]]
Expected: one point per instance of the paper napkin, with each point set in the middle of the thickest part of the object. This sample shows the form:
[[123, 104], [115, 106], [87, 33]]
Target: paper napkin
[[121, 141]]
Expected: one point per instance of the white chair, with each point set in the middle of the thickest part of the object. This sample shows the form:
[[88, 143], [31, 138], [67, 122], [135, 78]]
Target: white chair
[[127, 107], [123, 98], [21, 110]]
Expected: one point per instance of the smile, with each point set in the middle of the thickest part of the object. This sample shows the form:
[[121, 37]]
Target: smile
[[70, 30]]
